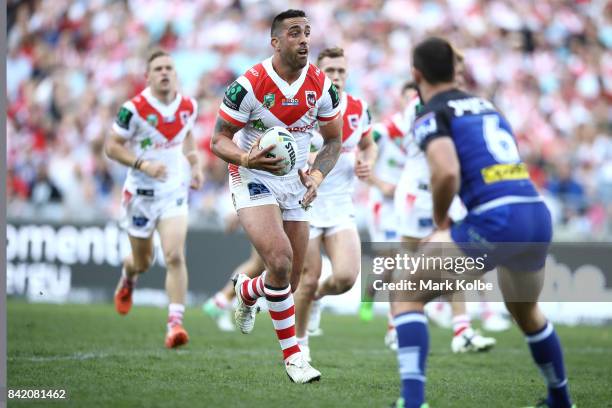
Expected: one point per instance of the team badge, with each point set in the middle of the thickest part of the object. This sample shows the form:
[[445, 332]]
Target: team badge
[[353, 121], [152, 120], [311, 99], [184, 115], [268, 100]]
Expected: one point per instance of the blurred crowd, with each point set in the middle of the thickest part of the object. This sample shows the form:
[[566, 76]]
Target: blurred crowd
[[71, 63]]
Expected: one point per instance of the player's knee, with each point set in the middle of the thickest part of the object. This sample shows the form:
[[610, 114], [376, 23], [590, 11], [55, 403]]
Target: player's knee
[[345, 282], [174, 258], [309, 284], [280, 264], [142, 263]]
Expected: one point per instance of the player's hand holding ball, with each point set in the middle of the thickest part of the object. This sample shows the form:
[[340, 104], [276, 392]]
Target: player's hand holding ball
[[154, 169], [275, 151]]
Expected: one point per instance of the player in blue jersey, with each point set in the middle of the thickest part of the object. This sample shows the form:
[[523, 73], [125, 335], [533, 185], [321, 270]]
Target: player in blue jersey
[[470, 150]]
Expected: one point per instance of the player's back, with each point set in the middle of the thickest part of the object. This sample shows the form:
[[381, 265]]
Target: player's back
[[488, 156]]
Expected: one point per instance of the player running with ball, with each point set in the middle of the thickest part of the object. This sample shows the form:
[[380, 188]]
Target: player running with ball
[[332, 223], [286, 91], [152, 135]]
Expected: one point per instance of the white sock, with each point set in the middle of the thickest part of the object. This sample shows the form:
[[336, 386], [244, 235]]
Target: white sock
[[303, 341], [221, 301], [175, 314], [461, 323]]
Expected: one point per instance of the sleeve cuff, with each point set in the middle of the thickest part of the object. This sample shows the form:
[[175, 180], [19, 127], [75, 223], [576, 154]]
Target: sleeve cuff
[[230, 119], [327, 119]]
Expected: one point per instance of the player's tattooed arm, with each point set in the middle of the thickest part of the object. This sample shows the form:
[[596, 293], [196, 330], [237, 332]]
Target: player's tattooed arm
[[330, 151], [224, 147]]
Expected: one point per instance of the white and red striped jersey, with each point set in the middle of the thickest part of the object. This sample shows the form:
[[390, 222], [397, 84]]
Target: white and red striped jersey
[[389, 137], [416, 170], [260, 99], [156, 131], [355, 125]]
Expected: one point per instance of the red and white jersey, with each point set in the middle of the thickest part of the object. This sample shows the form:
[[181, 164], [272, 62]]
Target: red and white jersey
[[156, 131], [416, 170], [260, 99], [389, 137], [355, 125]]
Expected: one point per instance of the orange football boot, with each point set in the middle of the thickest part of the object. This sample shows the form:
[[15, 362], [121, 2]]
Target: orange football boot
[[123, 296], [176, 337]]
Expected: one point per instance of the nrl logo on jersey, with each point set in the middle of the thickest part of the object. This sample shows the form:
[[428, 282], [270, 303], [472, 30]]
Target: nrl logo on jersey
[[268, 100], [152, 120], [311, 99]]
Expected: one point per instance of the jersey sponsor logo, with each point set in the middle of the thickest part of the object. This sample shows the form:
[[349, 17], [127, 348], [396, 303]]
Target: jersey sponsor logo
[[253, 72], [425, 222], [268, 100], [123, 118], [353, 121], [335, 98], [139, 221], [168, 119], [311, 98], [302, 129], [504, 172], [425, 126], [474, 105], [234, 95], [257, 191], [290, 102], [152, 119]]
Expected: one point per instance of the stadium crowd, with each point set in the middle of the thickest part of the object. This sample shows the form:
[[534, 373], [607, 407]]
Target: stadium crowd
[[71, 63]]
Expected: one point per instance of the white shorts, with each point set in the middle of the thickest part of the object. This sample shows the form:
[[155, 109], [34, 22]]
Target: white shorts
[[251, 190], [379, 224], [330, 214], [142, 209], [414, 211]]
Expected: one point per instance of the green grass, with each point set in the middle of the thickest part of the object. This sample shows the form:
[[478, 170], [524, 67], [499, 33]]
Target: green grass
[[105, 360]]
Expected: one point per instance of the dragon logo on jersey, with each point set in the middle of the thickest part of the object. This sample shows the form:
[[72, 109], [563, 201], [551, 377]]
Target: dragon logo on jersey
[[311, 98], [259, 125], [268, 100], [152, 120], [234, 96], [146, 143], [353, 121]]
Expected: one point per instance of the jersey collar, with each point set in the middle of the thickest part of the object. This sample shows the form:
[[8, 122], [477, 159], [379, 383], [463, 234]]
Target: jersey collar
[[287, 90], [165, 110]]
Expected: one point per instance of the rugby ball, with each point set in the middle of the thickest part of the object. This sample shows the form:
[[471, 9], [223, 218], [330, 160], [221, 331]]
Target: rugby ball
[[285, 146]]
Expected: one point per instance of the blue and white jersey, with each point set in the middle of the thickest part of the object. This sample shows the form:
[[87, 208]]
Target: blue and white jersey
[[490, 164]]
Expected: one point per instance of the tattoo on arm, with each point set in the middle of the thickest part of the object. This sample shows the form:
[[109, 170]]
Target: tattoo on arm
[[328, 155], [224, 127]]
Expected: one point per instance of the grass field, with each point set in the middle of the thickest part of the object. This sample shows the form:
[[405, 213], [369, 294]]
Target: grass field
[[104, 360]]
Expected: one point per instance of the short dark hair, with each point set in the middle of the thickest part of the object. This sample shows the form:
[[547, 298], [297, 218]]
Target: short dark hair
[[291, 13], [332, 52], [154, 55], [435, 59], [409, 85]]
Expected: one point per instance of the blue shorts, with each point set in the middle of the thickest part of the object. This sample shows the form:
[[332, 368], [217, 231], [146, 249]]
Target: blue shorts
[[516, 236]]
